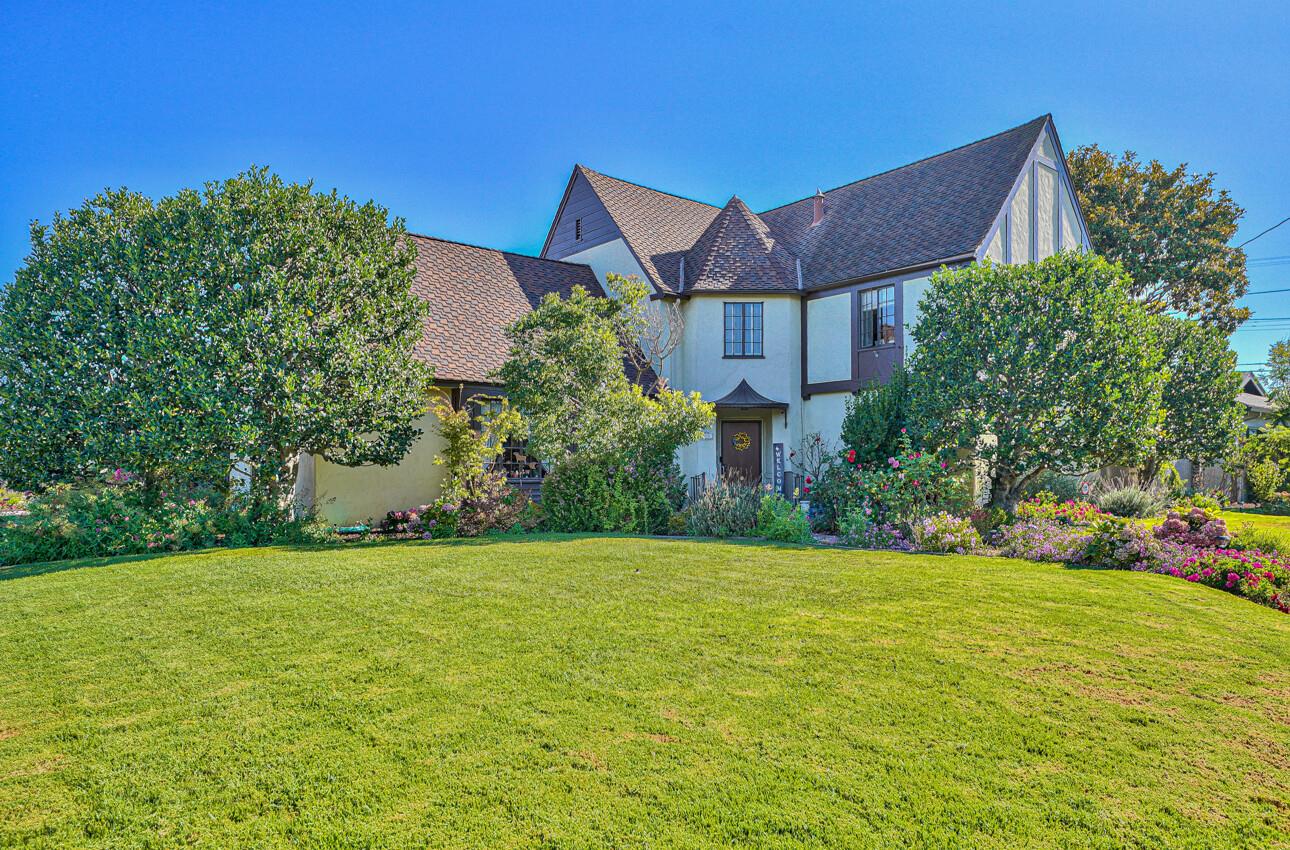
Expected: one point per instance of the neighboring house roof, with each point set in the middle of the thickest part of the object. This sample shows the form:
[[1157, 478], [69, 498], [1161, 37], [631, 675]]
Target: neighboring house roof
[[737, 253], [936, 209], [1250, 383], [474, 294], [1256, 403], [658, 227]]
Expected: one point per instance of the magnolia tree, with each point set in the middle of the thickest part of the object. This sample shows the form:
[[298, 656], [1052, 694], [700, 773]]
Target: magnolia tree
[[246, 323], [1047, 366], [1202, 419]]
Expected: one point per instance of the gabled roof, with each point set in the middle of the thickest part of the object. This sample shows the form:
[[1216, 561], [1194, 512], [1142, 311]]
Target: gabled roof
[[737, 253], [939, 208], [474, 294], [658, 227]]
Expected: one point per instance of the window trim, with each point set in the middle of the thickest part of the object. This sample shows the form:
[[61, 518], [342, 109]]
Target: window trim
[[744, 344], [895, 324]]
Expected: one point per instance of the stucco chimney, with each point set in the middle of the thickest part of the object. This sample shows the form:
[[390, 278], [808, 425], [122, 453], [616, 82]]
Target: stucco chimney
[[819, 208]]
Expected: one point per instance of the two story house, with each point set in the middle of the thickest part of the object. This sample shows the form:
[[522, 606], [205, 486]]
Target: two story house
[[786, 312]]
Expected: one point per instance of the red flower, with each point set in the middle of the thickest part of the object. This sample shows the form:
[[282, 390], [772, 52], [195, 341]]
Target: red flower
[[808, 479], [851, 456], [806, 490]]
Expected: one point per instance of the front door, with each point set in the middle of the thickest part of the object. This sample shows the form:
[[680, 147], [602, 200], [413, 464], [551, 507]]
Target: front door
[[740, 452]]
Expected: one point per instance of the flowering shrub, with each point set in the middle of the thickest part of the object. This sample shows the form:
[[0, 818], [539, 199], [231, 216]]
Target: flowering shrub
[[857, 528], [1257, 576], [1044, 540], [589, 493], [1072, 511], [779, 519], [1197, 527], [906, 486], [945, 533], [1123, 546]]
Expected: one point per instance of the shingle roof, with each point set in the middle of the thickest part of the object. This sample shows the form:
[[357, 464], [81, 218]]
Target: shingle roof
[[659, 227], [933, 209], [474, 294], [737, 253]]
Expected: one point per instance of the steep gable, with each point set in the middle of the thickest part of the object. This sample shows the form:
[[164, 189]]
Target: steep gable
[[657, 227], [936, 209]]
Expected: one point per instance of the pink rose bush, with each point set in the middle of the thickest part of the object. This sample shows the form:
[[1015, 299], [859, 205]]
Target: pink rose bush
[[1073, 512]]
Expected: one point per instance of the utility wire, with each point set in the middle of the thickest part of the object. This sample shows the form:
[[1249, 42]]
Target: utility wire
[[1265, 291], [1269, 230]]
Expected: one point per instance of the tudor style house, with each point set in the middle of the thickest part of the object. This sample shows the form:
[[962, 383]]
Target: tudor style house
[[786, 312]]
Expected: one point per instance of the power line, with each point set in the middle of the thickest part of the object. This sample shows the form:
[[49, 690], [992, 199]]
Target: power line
[[1265, 291], [1269, 230]]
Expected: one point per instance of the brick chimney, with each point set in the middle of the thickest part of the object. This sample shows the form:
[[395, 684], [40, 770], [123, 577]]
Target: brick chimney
[[819, 208]]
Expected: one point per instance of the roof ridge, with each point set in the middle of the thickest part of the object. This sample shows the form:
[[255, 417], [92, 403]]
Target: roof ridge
[[643, 186], [494, 250], [1046, 116]]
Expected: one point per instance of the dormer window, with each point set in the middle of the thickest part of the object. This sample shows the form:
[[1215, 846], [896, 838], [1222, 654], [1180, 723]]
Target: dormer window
[[577, 230]]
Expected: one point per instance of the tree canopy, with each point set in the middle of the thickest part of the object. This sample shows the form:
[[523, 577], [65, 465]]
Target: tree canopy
[[250, 321], [1168, 228], [1202, 419], [1055, 359]]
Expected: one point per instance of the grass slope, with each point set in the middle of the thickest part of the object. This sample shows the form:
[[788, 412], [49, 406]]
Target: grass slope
[[621, 692]]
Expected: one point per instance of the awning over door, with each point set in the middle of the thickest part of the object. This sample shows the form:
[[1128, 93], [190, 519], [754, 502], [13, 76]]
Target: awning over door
[[744, 397]]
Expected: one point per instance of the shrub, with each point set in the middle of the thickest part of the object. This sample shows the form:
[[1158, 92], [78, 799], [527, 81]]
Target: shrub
[[1131, 502], [1265, 480], [1196, 527], [1252, 538], [726, 508], [1061, 488], [1072, 511], [1257, 576], [876, 417], [1044, 540], [988, 520], [904, 487], [677, 525], [857, 528], [99, 519], [780, 520], [1203, 501], [1124, 546], [945, 533], [587, 493]]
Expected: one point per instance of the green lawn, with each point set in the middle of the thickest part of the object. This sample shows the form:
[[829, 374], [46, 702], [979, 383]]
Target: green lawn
[[617, 692], [1279, 524]]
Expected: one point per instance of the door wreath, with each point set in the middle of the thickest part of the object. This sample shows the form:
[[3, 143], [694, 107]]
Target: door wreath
[[741, 441]]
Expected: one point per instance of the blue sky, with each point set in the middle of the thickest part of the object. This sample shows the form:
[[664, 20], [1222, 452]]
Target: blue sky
[[466, 118]]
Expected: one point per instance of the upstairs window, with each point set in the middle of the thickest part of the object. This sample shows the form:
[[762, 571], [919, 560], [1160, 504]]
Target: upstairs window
[[577, 230], [878, 317], [743, 329]]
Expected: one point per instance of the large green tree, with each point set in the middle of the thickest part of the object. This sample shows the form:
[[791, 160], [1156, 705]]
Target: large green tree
[[1276, 378], [251, 321], [1169, 228], [565, 372], [1055, 362], [1202, 419]]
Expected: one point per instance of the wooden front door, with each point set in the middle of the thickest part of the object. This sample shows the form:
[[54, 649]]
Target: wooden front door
[[740, 451]]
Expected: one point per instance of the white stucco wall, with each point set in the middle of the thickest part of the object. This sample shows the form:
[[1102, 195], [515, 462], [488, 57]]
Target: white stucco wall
[[914, 290], [613, 257], [828, 338], [701, 366], [822, 414]]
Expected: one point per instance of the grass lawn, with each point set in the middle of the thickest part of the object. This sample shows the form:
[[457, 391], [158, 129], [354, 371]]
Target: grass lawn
[[1279, 524], [618, 692]]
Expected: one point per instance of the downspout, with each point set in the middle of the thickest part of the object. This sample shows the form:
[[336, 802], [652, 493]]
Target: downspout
[[680, 287]]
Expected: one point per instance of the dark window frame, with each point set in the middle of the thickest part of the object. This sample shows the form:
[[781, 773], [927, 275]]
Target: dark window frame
[[577, 230], [743, 330], [874, 305]]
